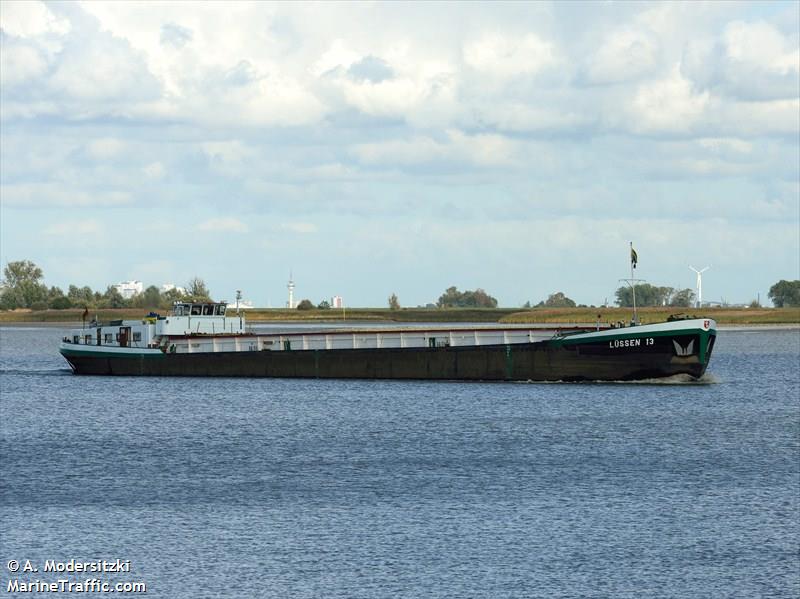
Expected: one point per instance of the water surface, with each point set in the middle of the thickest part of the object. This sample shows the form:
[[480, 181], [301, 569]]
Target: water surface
[[321, 488]]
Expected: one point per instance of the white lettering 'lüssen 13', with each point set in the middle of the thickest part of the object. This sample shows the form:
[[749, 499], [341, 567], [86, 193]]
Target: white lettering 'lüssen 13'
[[630, 342]]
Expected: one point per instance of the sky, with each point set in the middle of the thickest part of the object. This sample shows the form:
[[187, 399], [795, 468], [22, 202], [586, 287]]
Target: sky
[[375, 148]]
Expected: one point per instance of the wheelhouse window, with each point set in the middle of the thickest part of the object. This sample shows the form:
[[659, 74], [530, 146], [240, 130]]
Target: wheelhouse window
[[137, 336], [109, 338], [219, 309], [76, 338], [208, 310], [87, 339], [196, 309]]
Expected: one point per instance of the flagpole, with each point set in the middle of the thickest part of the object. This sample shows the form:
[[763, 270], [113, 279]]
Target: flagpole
[[633, 287]]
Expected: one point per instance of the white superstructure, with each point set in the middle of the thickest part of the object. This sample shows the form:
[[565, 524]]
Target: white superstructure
[[209, 327]]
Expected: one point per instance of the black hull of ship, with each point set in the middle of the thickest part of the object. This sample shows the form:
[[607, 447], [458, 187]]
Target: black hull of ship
[[542, 361]]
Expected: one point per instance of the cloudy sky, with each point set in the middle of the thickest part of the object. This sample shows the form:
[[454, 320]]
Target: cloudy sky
[[375, 148]]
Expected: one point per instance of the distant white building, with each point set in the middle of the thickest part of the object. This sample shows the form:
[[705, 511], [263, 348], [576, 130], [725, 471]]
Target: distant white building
[[128, 289], [337, 301]]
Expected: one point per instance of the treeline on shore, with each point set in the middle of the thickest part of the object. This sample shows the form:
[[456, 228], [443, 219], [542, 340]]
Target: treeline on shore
[[23, 288]]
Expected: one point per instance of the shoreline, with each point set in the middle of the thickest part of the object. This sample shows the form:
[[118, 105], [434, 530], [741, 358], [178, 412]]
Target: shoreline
[[725, 317]]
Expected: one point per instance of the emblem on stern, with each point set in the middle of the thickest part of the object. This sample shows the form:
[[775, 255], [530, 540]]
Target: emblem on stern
[[683, 351]]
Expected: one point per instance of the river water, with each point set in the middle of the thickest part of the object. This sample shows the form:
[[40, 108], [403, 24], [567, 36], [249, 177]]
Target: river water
[[344, 489]]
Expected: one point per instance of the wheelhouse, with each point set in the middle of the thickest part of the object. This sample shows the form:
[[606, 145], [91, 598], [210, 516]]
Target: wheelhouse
[[199, 309]]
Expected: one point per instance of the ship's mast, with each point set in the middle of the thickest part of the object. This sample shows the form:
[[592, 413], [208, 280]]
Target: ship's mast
[[632, 283], [634, 260]]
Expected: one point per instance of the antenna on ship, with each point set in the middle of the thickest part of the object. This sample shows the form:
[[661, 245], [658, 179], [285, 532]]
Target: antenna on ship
[[699, 284], [238, 297]]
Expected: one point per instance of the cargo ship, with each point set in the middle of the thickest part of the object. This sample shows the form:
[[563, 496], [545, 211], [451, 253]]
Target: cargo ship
[[206, 339]]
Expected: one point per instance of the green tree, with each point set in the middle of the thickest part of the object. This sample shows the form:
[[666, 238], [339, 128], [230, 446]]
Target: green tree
[[785, 294], [171, 296], [81, 296], [23, 286], [57, 300], [150, 298], [453, 298], [305, 305], [394, 303], [60, 303], [112, 298], [324, 305], [197, 290], [683, 298], [557, 300], [646, 295]]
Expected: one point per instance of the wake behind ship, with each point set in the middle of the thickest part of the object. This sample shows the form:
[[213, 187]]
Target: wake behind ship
[[202, 339]]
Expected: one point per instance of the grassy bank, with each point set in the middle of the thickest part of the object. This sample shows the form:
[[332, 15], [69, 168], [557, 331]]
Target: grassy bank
[[723, 316]]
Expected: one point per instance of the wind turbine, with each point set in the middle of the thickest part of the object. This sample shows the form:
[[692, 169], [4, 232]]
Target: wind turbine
[[699, 284]]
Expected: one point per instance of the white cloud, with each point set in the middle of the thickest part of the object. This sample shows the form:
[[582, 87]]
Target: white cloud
[[748, 61], [223, 225], [338, 55], [103, 68], [41, 195], [105, 148], [523, 117], [21, 62], [154, 170], [456, 146], [624, 55], [668, 105], [761, 46], [300, 227], [74, 228], [720, 144], [502, 56], [754, 119], [28, 18]]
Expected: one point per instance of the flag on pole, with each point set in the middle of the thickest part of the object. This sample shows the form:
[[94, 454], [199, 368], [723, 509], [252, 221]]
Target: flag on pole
[[634, 257]]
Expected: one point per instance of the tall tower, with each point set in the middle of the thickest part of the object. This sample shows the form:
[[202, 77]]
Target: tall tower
[[290, 287], [699, 284]]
